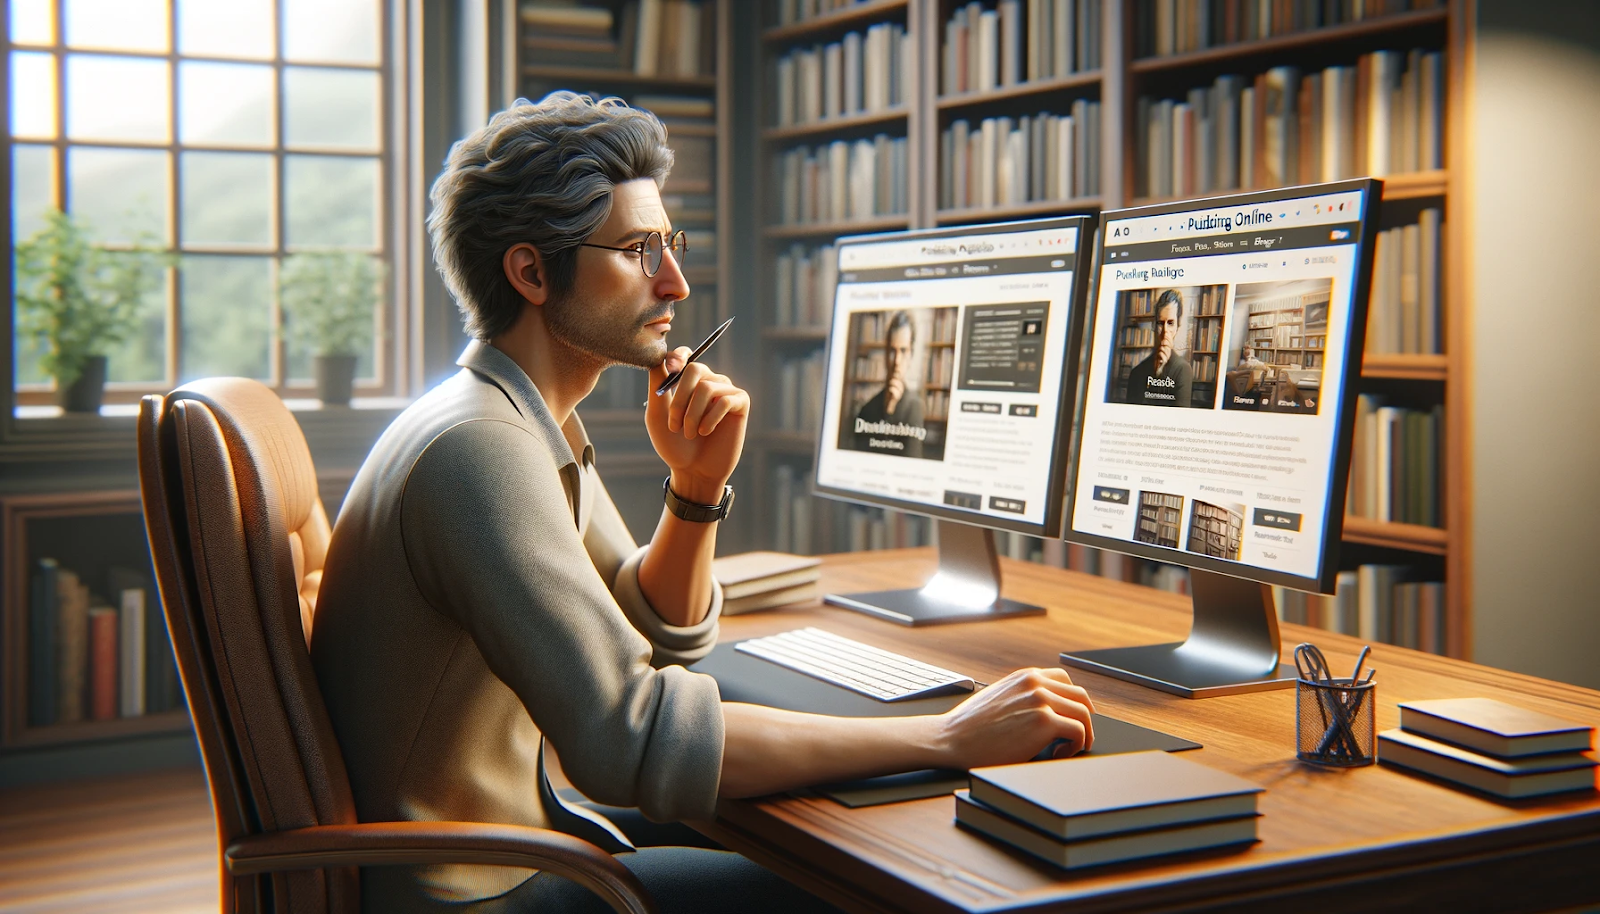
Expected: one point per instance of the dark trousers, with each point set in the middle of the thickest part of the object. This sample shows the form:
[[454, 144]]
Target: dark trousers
[[684, 871]]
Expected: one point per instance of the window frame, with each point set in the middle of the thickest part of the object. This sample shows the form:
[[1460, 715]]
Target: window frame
[[390, 350]]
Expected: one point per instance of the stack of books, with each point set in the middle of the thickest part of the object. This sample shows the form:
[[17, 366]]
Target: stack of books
[[763, 580], [1110, 808], [1491, 746]]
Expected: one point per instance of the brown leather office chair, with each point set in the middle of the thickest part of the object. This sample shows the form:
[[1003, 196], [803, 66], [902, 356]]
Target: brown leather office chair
[[239, 535]]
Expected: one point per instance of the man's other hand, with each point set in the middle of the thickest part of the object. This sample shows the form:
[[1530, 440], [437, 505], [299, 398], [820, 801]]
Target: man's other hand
[[697, 427], [1013, 719]]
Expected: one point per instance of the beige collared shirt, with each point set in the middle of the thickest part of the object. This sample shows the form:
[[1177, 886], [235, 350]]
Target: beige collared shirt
[[481, 588]]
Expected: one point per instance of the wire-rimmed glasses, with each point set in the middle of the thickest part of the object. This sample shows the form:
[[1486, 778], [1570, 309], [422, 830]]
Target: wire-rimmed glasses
[[652, 249]]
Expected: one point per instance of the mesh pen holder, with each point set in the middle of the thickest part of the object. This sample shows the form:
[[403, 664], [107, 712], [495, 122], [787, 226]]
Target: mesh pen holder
[[1334, 721]]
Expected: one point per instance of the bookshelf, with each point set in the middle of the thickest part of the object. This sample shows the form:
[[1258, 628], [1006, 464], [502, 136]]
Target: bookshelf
[[1405, 371], [86, 650]]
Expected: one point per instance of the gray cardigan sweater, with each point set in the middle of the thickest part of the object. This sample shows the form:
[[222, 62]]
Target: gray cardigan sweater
[[480, 589]]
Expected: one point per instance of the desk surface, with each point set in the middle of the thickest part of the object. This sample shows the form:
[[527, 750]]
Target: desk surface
[[1366, 839]]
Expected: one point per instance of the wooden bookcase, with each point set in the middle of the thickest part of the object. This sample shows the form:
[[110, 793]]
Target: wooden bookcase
[[99, 537], [1120, 78]]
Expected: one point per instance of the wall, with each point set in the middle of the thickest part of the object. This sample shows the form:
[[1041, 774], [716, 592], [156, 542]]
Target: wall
[[1536, 325]]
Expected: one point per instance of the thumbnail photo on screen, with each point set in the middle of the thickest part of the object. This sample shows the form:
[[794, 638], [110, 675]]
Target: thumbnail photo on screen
[[1216, 529], [1166, 346], [1160, 518], [897, 388], [1275, 352]]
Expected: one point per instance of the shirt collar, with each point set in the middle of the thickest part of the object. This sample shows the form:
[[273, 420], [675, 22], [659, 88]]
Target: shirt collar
[[507, 375]]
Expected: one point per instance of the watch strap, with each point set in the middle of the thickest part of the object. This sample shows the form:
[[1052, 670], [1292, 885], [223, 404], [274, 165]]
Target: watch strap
[[695, 512]]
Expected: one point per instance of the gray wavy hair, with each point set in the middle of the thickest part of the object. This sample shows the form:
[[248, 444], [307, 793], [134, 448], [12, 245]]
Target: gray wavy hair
[[540, 174]]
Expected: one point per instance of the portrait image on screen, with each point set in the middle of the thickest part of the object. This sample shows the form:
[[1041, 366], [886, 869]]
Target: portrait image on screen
[[948, 362], [1166, 346], [898, 392], [1276, 346]]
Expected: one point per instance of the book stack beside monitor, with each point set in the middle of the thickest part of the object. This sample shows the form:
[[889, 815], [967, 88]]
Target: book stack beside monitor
[[765, 580], [1491, 746], [1108, 809]]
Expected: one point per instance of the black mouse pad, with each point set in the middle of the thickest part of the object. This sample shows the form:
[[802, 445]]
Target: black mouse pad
[[741, 677]]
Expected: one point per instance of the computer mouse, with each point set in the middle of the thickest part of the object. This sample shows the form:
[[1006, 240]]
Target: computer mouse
[[1049, 751]]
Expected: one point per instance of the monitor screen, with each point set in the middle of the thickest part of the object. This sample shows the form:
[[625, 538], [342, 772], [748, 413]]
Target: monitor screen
[[1222, 347], [949, 370]]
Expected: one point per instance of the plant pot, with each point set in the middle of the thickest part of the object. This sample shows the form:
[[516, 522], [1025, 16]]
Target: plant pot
[[85, 394], [336, 378]]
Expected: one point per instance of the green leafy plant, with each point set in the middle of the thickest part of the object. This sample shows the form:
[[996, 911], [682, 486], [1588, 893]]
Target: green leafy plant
[[79, 297], [330, 298]]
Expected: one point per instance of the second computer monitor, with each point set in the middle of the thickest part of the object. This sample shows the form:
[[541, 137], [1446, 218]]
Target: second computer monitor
[[949, 372]]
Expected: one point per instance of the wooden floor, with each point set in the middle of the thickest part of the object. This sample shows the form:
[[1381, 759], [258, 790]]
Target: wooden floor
[[142, 843]]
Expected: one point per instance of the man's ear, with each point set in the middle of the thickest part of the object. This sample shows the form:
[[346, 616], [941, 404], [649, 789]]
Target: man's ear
[[525, 269]]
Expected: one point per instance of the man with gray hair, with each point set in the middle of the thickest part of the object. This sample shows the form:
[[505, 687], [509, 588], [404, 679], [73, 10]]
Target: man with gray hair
[[482, 595]]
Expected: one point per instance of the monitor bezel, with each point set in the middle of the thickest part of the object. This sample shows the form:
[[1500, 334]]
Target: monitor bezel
[[1355, 342], [1055, 513]]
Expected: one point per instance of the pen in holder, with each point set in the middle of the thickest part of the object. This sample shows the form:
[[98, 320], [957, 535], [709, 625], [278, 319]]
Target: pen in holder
[[1334, 718]]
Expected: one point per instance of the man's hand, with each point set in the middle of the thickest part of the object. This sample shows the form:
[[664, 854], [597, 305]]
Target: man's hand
[[697, 427], [893, 391], [1015, 718]]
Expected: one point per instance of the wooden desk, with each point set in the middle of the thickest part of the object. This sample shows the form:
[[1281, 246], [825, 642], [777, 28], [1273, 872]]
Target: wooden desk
[[1362, 840]]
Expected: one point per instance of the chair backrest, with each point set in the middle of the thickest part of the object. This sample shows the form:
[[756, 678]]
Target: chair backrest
[[238, 534]]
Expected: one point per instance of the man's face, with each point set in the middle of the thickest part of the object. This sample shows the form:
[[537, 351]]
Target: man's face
[[1249, 353], [1166, 331], [899, 354], [613, 310]]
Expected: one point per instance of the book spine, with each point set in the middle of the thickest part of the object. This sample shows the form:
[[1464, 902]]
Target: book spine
[[103, 623], [42, 648], [131, 656], [73, 646]]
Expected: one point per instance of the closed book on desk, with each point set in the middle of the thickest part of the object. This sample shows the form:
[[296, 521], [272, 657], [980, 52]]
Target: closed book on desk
[[763, 572], [1077, 798], [799, 593], [1107, 848], [1510, 778], [1494, 727]]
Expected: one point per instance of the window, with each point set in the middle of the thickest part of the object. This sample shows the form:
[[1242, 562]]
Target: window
[[233, 133]]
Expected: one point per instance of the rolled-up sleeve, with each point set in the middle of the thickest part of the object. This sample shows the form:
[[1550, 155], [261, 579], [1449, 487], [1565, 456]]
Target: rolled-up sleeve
[[490, 537]]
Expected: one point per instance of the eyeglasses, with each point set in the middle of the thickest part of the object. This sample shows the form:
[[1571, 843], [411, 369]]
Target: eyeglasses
[[651, 249]]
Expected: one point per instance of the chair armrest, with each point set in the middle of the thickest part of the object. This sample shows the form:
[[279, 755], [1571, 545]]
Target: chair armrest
[[414, 843]]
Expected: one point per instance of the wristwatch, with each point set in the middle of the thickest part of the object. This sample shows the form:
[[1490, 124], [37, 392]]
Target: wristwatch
[[693, 512]]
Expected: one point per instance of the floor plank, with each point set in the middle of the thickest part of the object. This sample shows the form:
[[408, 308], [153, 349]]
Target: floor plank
[[143, 842]]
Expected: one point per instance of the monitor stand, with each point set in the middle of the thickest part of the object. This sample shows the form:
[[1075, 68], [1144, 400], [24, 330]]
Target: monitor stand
[[966, 588], [1232, 646]]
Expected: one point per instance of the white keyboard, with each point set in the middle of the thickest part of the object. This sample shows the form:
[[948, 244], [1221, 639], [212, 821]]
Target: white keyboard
[[852, 665]]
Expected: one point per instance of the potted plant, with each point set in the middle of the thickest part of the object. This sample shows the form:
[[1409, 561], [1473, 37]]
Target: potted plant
[[81, 299], [329, 299]]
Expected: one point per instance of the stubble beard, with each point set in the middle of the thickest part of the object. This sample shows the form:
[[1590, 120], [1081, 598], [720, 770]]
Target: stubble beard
[[589, 332]]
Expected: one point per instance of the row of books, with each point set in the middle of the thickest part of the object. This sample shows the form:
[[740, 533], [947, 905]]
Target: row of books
[[800, 382], [1403, 312], [1383, 116], [987, 48], [671, 38], [843, 181], [1491, 746], [793, 12], [1003, 161], [1395, 470], [809, 525], [804, 279], [1179, 26], [1096, 810], [91, 660], [854, 75], [1374, 602]]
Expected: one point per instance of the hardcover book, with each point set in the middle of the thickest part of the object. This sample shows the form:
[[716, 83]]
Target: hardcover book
[[1106, 849], [1494, 727], [761, 572], [1510, 778], [1078, 798]]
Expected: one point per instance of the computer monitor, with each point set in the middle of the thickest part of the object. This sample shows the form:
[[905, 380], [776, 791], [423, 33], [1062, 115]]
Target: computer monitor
[[950, 366], [1223, 347]]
